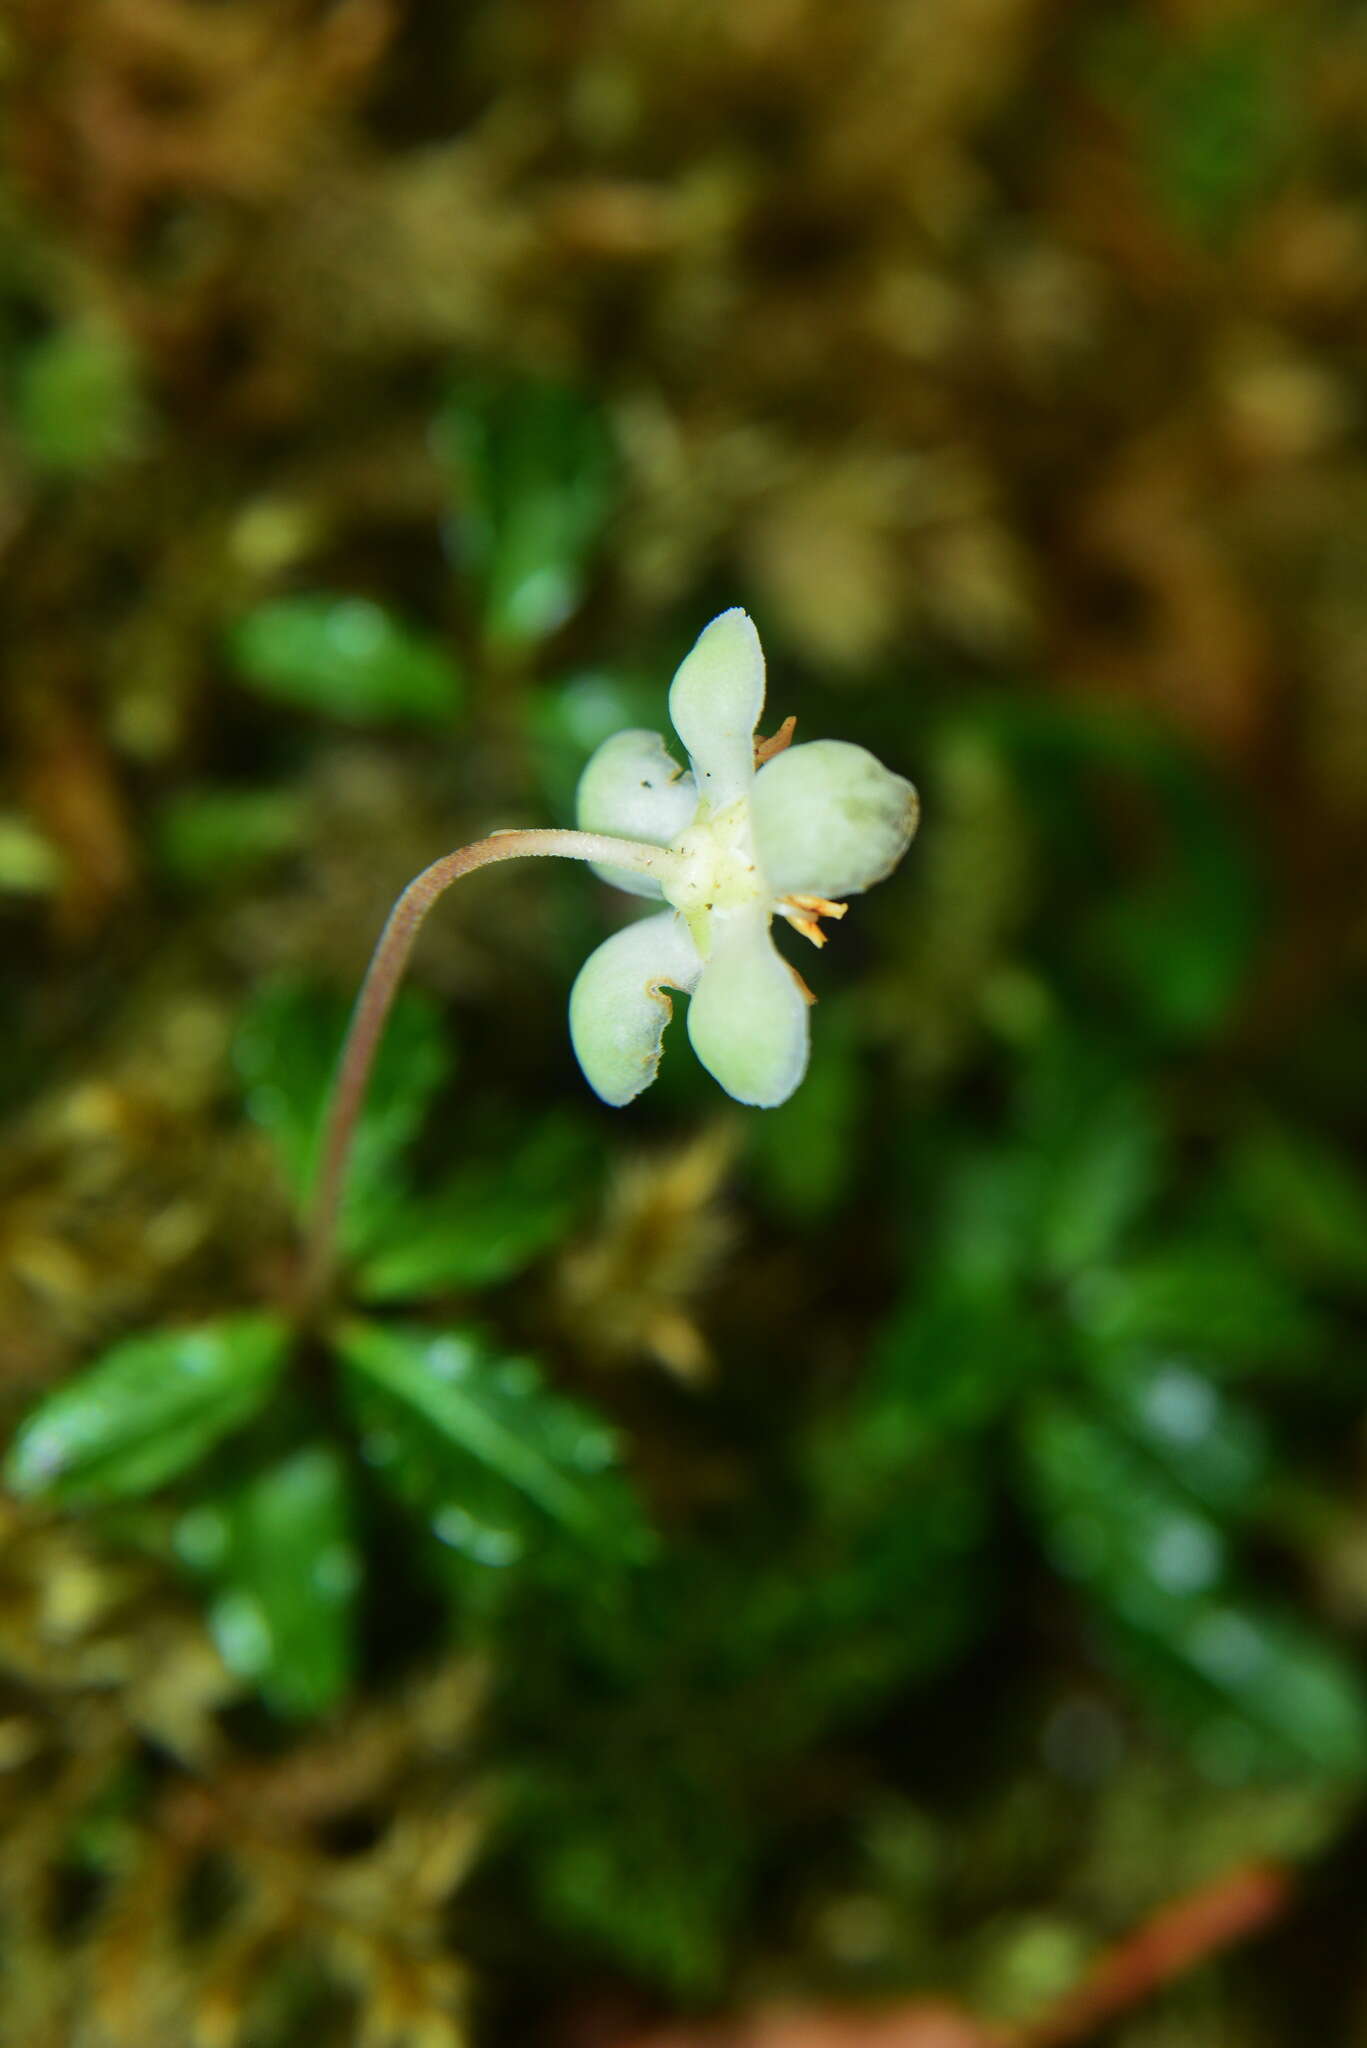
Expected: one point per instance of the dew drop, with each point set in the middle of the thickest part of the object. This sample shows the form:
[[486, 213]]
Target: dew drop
[[450, 1358], [1180, 1405], [1184, 1556]]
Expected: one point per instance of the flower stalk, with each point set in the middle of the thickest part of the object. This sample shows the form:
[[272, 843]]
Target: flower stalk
[[380, 986]]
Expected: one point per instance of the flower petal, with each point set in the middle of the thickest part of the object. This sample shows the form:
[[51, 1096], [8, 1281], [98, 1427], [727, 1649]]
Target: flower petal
[[714, 705], [748, 1016], [633, 787], [830, 820], [618, 1008]]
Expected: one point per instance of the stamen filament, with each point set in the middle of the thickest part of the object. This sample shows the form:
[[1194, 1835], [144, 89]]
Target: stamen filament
[[819, 906], [804, 913], [777, 742]]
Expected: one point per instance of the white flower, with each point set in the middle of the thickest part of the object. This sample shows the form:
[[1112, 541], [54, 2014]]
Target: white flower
[[791, 838]]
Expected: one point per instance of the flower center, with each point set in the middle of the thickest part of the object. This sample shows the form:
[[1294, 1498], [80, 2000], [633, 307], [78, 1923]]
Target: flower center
[[714, 865]]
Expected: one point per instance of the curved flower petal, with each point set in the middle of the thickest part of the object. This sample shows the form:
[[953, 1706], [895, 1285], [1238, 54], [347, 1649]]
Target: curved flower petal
[[714, 705], [830, 820], [748, 1016], [618, 1007], [635, 789]]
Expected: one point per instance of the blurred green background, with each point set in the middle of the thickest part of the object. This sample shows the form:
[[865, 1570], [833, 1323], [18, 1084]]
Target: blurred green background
[[880, 1549]]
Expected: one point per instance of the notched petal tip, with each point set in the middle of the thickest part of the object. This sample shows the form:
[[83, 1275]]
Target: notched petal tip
[[830, 819], [619, 1007]]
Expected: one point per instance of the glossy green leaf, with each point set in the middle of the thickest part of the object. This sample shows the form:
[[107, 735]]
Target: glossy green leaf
[[536, 473], [278, 1553], [149, 1409], [493, 1462], [485, 1224], [1208, 1443], [286, 1054], [1254, 1691], [348, 657]]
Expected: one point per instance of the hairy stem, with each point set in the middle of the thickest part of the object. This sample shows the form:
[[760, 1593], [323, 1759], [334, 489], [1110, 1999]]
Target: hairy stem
[[373, 1004]]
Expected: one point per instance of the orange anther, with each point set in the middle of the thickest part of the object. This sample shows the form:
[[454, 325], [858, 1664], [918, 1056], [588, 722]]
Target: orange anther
[[765, 750]]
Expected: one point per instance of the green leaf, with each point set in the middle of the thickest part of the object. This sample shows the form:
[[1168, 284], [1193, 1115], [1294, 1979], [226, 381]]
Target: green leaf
[[1180, 941], [566, 721], [643, 1862], [348, 657], [806, 1152], [476, 1445], [1062, 1193], [1172, 913], [77, 403], [1099, 1188], [652, 1774], [485, 1224], [1211, 1299], [1215, 107], [1255, 1692], [536, 471], [949, 1363], [988, 1202], [203, 835], [286, 1052], [1182, 950], [279, 1554], [30, 864], [647, 1745], [1309, 1198], [1098, 1151], [148, 1410], [1208, 1443], [893, 1587]]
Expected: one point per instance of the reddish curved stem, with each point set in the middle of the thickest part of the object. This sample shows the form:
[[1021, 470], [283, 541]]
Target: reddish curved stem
[[378, 990]]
